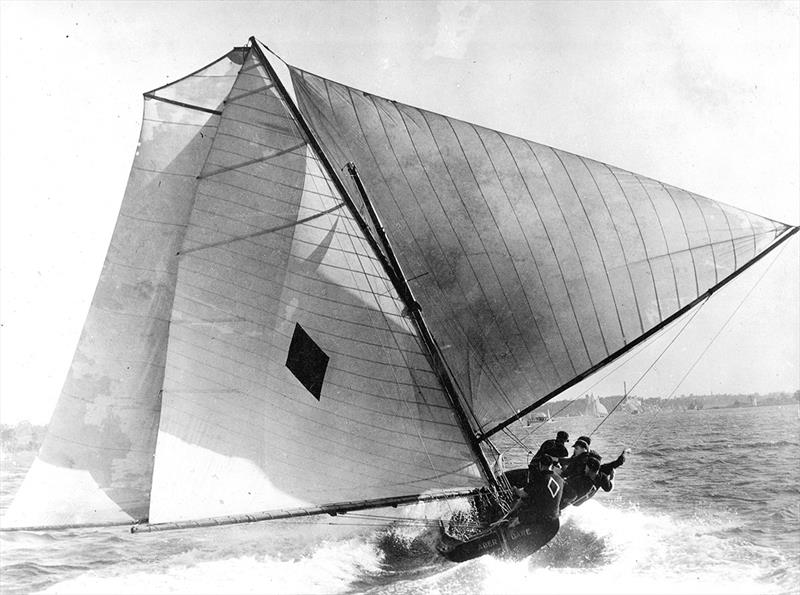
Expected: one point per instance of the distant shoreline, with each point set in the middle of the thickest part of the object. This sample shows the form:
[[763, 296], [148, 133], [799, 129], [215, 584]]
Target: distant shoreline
[[27, 437]]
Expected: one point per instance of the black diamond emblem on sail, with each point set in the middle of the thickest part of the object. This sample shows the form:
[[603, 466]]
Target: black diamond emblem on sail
[[307, 361]]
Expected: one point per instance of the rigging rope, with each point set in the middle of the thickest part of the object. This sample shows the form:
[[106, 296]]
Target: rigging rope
[[266, 47], [711, 342], [652, 365]]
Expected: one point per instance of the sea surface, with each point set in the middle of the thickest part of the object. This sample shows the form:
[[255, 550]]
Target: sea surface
[[707, 502]]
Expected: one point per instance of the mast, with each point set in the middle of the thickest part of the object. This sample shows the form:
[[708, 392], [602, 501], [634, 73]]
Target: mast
[[415, 311], [394, 273], [539, 402]]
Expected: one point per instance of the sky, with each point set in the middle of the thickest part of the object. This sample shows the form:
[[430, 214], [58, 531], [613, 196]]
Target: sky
[[700, 95]]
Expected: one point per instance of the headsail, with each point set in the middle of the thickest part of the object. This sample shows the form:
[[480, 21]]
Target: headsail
[[293, 376], [96, 463], [246, 350], [534, 266]]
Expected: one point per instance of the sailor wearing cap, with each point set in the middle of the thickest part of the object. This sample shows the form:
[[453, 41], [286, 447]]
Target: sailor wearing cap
[[556, 446], [538, 507], [580, 487], [574, 465]]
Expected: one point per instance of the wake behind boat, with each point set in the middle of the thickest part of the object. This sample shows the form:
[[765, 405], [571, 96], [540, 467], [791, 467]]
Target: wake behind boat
[[261, 347]]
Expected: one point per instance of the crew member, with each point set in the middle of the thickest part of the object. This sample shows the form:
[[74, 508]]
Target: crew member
[[539, 507], [574, 465], [581, 487], [555, 446]]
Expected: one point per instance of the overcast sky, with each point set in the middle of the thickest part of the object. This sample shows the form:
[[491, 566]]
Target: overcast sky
[[700, 95]]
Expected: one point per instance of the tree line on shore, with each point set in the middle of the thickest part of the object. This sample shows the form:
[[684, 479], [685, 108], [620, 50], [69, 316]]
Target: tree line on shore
[[25, 436], [576, 407]]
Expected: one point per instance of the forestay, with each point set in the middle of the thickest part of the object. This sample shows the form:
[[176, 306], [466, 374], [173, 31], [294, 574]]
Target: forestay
[[534, 266]]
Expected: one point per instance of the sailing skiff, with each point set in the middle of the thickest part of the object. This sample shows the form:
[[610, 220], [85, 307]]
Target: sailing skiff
[[325, 301]]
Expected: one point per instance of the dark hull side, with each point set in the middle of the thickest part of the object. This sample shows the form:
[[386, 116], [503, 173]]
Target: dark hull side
[[518, 541]]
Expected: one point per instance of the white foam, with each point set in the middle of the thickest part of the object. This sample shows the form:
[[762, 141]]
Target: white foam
[[642, 553], [599, 550], [331, 568]]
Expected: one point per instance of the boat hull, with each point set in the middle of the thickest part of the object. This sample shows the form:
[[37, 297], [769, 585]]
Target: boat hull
[[513, 540]]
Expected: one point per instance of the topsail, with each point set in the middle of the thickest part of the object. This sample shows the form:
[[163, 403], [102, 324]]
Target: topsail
[[252, 352]]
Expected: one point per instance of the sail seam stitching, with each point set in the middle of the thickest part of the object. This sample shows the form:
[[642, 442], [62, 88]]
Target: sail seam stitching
[[644, 247], [578, 252], [663, 235]]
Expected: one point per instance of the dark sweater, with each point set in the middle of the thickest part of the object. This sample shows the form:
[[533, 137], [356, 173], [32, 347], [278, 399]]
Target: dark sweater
[[553, 447], [542, 498]]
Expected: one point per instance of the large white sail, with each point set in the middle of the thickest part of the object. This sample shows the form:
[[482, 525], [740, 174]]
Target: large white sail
[[533, 265], [96, 462], [294, 377], [251, 346]]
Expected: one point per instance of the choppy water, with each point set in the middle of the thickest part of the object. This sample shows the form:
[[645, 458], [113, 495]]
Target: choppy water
[[709, 502]]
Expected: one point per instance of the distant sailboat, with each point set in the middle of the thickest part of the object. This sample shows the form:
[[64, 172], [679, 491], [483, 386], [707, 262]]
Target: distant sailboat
[[631, 405], [541, 417], [260, 347], [593, 407]]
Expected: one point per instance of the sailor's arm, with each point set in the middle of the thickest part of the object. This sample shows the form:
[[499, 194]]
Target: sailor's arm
[[618, 462]]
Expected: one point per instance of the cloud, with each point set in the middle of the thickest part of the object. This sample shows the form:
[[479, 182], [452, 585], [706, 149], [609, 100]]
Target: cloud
[[458, 21]]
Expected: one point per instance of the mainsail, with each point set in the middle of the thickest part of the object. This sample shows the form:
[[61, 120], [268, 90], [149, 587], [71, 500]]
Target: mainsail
[[252, 351], [534, 266]]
